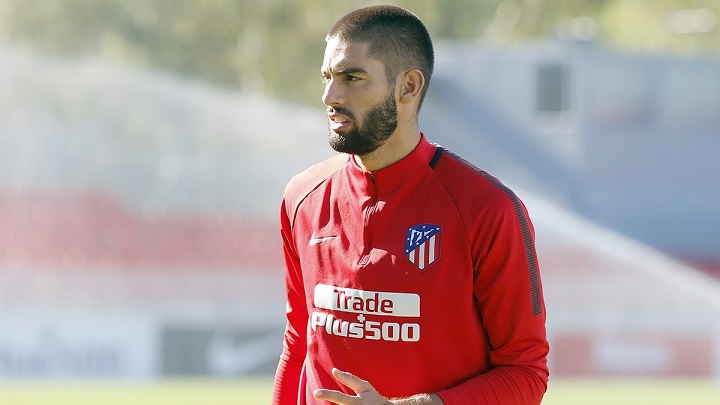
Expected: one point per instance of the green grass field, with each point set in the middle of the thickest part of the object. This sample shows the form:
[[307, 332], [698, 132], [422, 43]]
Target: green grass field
[[257, 392]]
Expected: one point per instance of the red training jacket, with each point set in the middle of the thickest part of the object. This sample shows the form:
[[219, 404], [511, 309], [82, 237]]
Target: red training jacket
[[421, 277]]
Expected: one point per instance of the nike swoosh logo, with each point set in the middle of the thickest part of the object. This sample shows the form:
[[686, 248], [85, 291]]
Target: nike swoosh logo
[[316, 241]]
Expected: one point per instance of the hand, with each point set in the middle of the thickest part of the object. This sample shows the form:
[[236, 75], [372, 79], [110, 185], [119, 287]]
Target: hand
[[365, 393]]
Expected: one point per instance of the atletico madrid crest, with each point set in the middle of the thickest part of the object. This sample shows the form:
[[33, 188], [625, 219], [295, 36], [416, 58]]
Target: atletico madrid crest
[[422, 245]]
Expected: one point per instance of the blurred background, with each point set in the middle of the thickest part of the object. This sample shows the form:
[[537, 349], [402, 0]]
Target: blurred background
[[145, 145]]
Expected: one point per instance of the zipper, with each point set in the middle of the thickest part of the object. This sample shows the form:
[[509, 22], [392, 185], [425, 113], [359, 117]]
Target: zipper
[[367, 231]]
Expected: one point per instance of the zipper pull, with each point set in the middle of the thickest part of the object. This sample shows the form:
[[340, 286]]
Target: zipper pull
[[372, 177]]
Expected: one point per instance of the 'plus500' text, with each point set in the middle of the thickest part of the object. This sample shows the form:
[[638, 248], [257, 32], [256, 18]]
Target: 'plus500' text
[[371, 330]]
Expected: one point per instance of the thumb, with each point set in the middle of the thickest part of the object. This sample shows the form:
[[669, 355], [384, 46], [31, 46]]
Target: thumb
[[352, 381]]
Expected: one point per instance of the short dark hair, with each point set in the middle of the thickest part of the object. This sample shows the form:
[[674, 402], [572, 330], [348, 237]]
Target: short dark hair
[[397, 38]]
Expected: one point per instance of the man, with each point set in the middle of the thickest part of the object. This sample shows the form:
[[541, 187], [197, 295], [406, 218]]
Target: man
[[407, 267]]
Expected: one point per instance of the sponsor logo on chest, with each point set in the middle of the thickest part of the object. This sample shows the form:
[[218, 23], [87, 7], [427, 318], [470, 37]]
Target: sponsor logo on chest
[[370, 303], [367, 302]]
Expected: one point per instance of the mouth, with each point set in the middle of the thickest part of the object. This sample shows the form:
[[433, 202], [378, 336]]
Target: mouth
[[339, 122]]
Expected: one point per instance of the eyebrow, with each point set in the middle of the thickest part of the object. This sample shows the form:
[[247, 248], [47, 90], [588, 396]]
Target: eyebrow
[[345, 71], [350, 70]]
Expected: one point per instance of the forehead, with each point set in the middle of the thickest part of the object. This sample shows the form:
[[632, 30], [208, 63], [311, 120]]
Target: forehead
[[345, 55]]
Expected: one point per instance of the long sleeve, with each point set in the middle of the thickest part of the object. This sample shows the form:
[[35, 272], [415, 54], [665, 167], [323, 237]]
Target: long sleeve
[[510, 302], [289, 371]]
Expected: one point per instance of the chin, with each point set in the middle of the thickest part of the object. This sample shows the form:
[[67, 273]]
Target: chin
[[336, 140]]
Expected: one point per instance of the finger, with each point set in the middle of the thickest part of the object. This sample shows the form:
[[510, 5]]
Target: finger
[[335, 397], [352, 381]]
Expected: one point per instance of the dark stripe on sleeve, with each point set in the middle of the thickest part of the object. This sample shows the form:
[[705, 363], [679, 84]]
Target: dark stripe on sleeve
[[530, 254], [438, 152]]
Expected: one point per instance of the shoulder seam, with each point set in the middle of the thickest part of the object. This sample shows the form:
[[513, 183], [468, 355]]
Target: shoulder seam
[[311, 184], [524, 223]]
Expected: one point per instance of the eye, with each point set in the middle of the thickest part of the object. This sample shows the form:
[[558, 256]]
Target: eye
[[351, 78]]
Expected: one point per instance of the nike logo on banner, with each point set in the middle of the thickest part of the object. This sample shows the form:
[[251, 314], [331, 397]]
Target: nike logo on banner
[[316, 241]]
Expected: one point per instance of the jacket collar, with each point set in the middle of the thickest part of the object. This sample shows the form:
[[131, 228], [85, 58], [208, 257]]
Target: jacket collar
[[395, 174]]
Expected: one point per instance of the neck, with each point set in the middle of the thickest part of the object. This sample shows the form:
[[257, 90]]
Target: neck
[[397, 146]]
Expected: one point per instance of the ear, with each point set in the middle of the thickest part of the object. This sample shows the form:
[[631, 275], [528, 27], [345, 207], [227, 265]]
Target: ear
[[412, 83]]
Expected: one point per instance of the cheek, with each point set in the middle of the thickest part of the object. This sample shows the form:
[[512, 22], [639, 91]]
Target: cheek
[[366, 98]]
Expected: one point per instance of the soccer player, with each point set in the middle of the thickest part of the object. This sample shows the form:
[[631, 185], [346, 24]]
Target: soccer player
[[411, 274]]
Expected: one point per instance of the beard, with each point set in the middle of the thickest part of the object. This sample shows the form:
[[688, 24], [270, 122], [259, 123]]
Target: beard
[[369, 134]]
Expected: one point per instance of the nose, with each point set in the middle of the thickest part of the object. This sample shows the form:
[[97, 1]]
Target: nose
[[332, 95]]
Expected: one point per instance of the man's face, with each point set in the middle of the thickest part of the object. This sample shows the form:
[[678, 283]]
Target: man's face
[[362, 111]]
